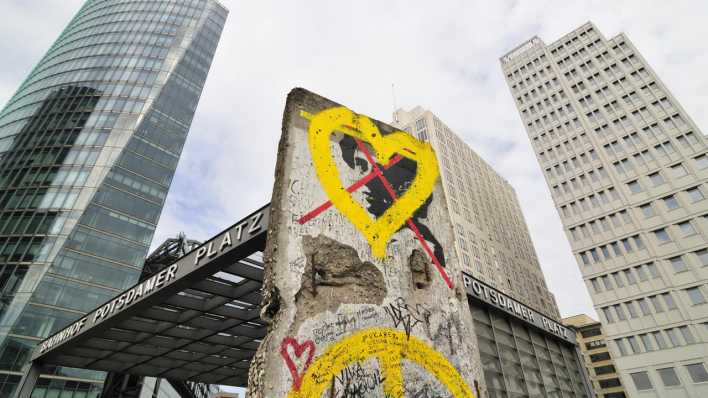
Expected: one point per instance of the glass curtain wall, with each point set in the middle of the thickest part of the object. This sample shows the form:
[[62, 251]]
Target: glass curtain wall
[[88, 147], [520, 362]]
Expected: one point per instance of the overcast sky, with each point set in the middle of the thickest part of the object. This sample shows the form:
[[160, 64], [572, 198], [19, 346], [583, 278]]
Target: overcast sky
[[441, 55]]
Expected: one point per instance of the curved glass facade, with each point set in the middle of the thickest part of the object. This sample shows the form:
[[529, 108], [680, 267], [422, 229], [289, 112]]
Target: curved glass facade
[[88, 147]]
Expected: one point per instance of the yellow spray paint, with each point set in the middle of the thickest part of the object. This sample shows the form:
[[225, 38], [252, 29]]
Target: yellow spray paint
[[376, 230], [389, 347]]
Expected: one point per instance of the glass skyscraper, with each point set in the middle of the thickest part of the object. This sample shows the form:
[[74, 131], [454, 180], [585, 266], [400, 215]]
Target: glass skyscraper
[[89, 144]]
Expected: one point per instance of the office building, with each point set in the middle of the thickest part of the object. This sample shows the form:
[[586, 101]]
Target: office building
[[598, 360], [491, 235], [524, 351], [627, 169], [88, 147]]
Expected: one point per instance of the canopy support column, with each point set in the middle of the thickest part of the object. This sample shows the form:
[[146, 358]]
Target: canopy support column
[[29, 379]]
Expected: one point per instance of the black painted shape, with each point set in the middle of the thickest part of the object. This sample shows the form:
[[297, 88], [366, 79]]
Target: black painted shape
[[400, 176]]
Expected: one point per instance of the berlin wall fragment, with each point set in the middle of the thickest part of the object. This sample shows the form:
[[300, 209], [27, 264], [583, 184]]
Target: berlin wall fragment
[[362, 288]]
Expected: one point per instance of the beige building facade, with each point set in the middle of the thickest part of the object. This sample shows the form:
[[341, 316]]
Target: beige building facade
[[491, 235], [627, 169], [523, 348], [597, 357]]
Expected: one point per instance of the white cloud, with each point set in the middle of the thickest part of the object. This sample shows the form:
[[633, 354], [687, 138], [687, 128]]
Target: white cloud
[[442, 56]]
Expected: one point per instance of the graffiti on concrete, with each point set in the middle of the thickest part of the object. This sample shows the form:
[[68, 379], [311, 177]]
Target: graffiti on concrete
[[360, 264], [399, 191], [407, 316], [390, 348], [308, 348]]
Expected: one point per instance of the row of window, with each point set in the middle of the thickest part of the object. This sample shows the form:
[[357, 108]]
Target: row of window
[[569, 167], [656, 178], [612, 249], [662, 235], [656, 340], [521, 70], [648, 210], [575, 145], [671, 202], [626, 277], [590, 47], [561, 126], [618, 218], [669, 377], [616, 312], [685, 229], [596, 200], [578, 141], [581, 182]]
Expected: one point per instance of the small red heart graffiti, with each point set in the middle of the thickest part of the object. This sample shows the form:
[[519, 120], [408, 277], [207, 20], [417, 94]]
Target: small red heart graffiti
[[299, 349]]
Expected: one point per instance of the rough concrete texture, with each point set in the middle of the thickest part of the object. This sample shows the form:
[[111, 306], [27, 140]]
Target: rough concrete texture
[[358, 244], [335, 275]]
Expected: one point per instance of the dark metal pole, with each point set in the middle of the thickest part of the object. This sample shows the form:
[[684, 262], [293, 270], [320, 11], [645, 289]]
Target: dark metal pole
[[30, 375]]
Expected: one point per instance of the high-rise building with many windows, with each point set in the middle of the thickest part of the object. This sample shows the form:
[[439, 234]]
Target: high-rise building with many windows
[[89, 144], [627, 170], [491, 235], [521, 355]]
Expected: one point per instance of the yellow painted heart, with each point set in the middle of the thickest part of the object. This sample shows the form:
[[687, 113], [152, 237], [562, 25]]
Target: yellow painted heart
[[376, 230]]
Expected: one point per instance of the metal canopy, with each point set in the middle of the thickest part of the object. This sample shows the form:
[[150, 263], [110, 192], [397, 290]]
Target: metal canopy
[[198, 322]]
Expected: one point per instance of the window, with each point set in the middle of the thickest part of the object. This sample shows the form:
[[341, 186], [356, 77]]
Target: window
[[620, 312], [662, 236], [697, 372], [695, 194], [656, 303], [687, 228], [591, 332], [671, 202], [631, 309], [608, 315], [660, 342], [678, 264], [633, 344], [621, 347], [641, 380], [646, 340], [603, 370], [647, 210], [668, 377], [634, 186], [678, 170], [584, 257], [630, 277], [702, 257], [652, 270], [656, 179], [673, 338], [687, 335], [644, 306], [702, 161], [609, 383], [642, 273], [596, 285], [602, 356], [695, 295], [618, 279], [595, 256], [669, 301]]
